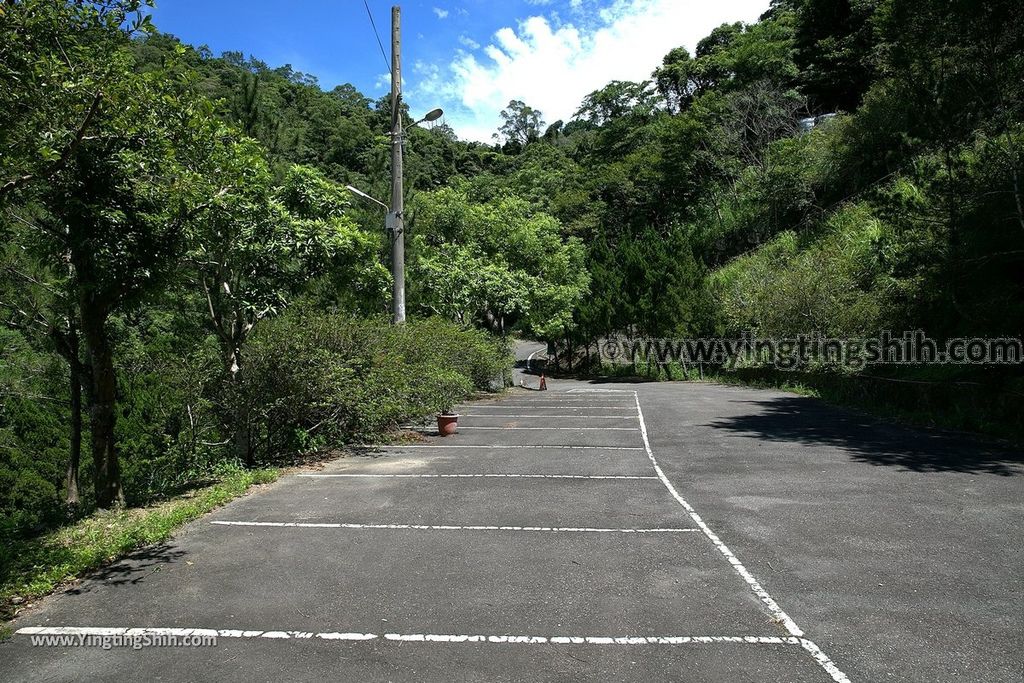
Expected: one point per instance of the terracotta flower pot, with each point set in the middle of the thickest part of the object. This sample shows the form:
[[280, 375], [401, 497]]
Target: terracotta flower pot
[[447, 424]]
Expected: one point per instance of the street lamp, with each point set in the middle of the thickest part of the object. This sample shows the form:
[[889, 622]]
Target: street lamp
[[389, 220], [357, 191], [432, 115]]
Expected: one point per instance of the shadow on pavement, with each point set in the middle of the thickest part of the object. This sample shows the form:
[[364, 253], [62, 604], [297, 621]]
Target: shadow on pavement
[[528, 368], [131, 570], [620, 380], [867, 440]]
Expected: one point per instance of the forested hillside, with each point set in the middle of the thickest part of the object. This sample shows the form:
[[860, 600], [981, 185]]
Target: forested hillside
[[186, 285]]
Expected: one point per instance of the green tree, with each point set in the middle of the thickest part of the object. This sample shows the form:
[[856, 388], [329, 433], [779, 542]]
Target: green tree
[[677, 80], [617, 100], [521, 124], [485, 262], [113, 204], [257, 249], [52, 81], [835, 50], [37, 303]]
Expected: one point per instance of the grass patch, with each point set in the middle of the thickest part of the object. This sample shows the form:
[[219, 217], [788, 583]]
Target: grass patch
[[33, 567], [781, 384]]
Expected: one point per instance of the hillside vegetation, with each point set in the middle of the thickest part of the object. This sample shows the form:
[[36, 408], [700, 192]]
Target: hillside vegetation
[[187, 288]]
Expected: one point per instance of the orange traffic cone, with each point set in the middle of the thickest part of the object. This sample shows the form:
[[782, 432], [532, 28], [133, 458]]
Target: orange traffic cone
[[543, 383]]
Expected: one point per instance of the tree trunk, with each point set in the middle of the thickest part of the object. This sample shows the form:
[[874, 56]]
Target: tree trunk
[[242, 436], [67, 346], [243, 442], [569, 351], [75, 458], [103, 406]]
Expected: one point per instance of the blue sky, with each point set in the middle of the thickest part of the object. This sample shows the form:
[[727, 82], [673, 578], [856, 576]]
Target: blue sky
[[469, 56]]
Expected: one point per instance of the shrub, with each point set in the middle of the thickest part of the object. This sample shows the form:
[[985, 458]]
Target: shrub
[[311, 381]]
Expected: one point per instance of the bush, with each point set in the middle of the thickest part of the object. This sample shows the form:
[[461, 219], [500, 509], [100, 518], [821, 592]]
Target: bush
[[311, 380]]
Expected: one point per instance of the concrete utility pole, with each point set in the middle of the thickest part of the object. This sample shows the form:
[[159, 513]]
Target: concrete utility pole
[[397, 222]]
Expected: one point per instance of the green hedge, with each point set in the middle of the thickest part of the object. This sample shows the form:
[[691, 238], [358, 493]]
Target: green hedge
[[311, 381]]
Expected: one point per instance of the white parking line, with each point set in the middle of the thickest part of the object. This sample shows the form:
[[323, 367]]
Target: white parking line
[[475, 476], [576, 392], [543, 415], [530, 447], [594, 640], [452, 527], [549, 407], [555, 396], [769, 602], [578, 402], [556, 429], [407, 637], [558, 404]]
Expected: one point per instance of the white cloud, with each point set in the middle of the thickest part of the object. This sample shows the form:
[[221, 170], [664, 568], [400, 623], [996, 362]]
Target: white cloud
[[441, 13], [552, 65], [468, 42]]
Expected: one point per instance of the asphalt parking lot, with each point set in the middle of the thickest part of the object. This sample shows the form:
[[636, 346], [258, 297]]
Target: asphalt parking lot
[[601, 532]]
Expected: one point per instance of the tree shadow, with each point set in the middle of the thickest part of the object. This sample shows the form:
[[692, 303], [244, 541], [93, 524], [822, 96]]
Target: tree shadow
[[368, 452], [625, 379], [807, 421], [535, 368], [130, 570]]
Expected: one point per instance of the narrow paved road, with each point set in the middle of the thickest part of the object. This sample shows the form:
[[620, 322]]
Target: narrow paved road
[[530, 356], [595, 531]]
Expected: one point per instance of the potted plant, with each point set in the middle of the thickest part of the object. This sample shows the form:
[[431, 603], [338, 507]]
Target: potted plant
[[448, 419], [447, 422]]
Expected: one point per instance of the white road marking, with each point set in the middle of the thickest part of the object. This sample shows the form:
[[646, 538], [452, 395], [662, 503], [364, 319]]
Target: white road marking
[[549, 407], [184, 632], [573, 408], [556, 429], [452, 527], [408, 637], [543, 415], [592, 640], [769, 602], [529, 359], [556, 396], [599, 391], [824, 661], [502, 448], [476, 476], [561, 398]]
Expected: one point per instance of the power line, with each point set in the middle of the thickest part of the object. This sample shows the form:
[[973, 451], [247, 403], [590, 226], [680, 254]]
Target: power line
[[375, 33]]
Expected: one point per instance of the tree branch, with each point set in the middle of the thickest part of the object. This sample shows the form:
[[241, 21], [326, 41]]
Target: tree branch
[[213, 313], [12, 185]]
